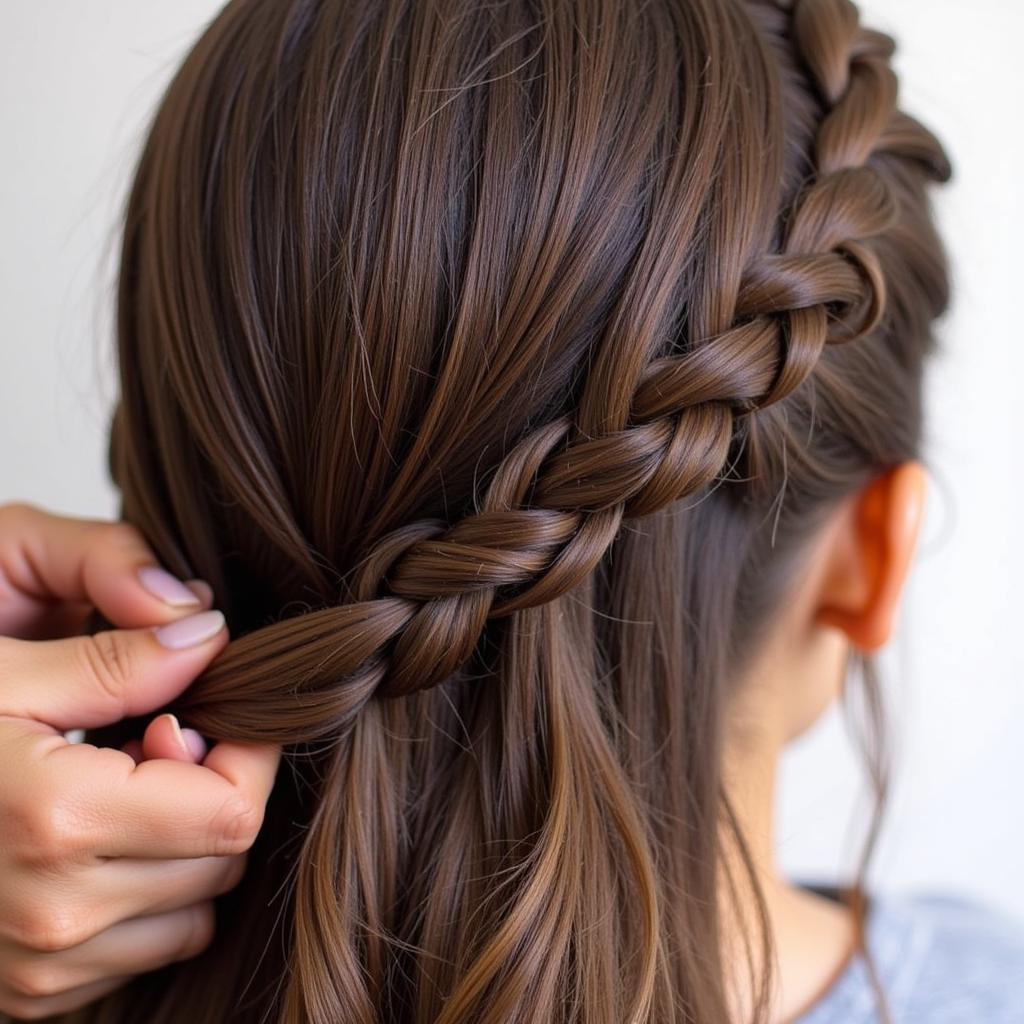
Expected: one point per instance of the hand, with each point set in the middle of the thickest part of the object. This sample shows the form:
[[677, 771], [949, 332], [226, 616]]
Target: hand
[[109, 859]]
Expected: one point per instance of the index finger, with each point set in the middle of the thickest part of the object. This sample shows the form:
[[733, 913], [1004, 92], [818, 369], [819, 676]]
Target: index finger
[[47, 558], [196, 810], [164, 808]]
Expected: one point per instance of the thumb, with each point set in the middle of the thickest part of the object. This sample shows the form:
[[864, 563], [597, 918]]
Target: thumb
[[88, 681]]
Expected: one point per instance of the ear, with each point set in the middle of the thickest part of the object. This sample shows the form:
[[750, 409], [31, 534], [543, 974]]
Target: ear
[[871, 555]]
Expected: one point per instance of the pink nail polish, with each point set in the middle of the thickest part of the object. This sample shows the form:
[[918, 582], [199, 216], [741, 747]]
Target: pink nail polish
[[195, 743], [167, 588], [202, 590], [191, 630], [189, 740]]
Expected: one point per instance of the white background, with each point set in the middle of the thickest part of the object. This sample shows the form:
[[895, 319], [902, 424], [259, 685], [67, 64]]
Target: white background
[[77, 81]]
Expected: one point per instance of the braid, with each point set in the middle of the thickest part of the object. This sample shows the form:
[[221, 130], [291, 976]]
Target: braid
[[417, 604], [533, 277]]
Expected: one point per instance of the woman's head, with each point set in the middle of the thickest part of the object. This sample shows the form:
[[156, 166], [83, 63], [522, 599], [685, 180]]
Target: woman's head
[[497, 364]]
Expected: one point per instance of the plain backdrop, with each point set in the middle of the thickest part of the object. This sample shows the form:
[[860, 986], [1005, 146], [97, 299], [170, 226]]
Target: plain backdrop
[[78, 79]]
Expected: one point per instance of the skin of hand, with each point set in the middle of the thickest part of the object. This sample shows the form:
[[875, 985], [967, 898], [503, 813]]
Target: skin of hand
[[109, 859]]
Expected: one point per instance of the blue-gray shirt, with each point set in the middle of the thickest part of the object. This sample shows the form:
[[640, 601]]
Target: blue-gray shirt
[[940, 959]]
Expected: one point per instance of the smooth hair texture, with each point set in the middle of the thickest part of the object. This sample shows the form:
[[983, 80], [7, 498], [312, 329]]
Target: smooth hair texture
[[495, 363]]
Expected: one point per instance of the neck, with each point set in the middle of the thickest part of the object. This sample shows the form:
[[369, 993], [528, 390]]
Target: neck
[[812, 936]]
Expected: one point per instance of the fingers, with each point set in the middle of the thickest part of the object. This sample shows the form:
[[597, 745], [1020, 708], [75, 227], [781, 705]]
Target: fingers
[[75, 802], [52, 982], [250, 767], [13, 1001], [176, 809], [164, 737], [87, 681], [93, 898], [54, 567], [200, 588], [125, 887]]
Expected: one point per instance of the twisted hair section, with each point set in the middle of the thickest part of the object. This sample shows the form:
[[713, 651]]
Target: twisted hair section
[[494, 363], [419, 600]]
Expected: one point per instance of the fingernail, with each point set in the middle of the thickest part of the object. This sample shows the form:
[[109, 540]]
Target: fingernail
[[169, 589], [195, 743], [202, 590], [191, 630], [189, 740], [178, 738]]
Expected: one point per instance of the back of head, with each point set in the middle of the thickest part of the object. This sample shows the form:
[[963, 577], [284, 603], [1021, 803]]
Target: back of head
[[493, 363]]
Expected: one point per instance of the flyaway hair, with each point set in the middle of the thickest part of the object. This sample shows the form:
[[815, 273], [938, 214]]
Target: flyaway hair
[[494, 363]]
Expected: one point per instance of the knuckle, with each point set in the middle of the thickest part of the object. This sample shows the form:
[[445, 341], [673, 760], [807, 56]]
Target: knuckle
[[108, 658], [47, 833], [237, 825], [51, 930], [31, 979]]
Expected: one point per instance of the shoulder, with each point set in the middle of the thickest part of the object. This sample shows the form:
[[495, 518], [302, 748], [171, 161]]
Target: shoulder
[[956, 959], [941, 959]]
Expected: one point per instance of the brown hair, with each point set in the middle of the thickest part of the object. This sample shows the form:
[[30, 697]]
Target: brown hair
[[494, 362]]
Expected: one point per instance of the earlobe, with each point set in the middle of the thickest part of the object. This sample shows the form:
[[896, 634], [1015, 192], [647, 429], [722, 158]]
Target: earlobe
[[865, 588]]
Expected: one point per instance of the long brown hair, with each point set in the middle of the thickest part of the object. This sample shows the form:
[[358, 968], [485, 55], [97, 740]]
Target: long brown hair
[[494, 363]]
